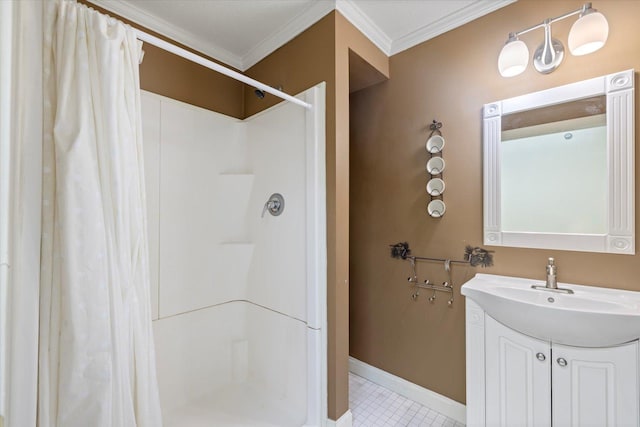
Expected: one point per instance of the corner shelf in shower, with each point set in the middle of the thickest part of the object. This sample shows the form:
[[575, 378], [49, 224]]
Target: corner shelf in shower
[[232, 243], [236, 178]]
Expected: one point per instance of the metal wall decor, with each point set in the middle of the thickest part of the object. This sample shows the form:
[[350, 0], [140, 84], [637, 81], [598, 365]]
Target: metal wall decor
[[435, 167]]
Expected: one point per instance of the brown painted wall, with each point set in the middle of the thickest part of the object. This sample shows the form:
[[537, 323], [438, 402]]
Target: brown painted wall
[[450, 78], [303, 62], [348, 39], [169, 75], [319, 54]]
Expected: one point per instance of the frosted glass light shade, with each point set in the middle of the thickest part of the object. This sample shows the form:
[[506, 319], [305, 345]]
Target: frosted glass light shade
[[588, 34], [513, 58]]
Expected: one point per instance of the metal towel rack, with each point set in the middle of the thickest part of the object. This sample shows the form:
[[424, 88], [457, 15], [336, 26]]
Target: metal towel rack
[[445, 287], [473, 256]]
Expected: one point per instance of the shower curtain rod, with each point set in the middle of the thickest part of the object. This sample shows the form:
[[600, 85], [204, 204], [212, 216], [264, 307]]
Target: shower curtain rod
[[155, 41]]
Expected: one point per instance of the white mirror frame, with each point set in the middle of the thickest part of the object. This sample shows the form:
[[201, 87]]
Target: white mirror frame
[[620, 238]]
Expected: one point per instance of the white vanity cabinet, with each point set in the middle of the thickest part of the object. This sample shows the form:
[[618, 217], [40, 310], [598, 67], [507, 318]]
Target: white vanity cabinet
[[517, 380], [595, 386]]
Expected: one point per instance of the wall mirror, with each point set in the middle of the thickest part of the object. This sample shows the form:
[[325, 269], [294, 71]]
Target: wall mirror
[[559, 167]]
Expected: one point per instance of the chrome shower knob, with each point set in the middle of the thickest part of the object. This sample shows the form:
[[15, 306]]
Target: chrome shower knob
[[275, 205]]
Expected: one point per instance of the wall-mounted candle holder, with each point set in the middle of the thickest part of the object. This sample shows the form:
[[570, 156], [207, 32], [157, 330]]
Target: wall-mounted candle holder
[[435, 167]]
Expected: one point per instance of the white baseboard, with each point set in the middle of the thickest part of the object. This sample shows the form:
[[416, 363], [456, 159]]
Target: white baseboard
[[428, 398], [346, 420]]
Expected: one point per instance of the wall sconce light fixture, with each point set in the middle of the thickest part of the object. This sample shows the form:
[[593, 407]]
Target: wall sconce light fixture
[[588, 34]]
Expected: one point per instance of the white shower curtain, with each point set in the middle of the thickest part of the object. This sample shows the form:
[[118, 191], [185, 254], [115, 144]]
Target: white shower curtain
[[97, 362]]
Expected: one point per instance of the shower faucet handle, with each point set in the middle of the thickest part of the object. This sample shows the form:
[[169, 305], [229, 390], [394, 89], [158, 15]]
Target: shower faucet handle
[[275, 205]]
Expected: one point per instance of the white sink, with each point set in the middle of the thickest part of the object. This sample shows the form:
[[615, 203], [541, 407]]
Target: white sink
[[590, 317]]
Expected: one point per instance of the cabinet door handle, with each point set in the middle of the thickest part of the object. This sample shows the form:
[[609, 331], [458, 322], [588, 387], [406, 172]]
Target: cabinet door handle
[[562, 362], [541, 357]]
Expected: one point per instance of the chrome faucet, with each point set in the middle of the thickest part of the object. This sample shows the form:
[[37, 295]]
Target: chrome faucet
[[552, 275], [552, 280]]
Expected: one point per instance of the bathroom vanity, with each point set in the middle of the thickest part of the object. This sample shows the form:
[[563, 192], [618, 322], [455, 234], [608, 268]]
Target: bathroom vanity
[[539, 358]]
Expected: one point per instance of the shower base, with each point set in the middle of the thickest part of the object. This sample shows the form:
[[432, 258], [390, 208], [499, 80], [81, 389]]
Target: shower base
[[239, 405]]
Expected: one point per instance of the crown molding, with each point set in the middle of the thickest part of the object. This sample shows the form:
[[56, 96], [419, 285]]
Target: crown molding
[[348, 8], [449, 22], [295, 27], [363, 23], [160, 26]]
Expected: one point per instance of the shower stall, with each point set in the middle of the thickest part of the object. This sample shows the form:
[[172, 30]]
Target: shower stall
[[238, 293]]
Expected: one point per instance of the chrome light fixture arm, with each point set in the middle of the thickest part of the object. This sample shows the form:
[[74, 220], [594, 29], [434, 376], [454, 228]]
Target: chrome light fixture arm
[[585, 9]]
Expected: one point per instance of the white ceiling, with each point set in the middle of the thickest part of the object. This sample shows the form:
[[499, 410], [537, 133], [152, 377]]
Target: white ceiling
[[242, 32]]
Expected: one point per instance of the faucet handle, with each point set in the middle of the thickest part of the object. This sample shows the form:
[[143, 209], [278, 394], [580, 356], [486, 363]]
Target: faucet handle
[[275, 205]]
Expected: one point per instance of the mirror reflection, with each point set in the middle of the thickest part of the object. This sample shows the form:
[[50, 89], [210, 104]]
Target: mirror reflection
[[554, 168]]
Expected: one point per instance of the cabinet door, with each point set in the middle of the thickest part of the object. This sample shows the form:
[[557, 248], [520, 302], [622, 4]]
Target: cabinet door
[[595, 386], [518, 376]]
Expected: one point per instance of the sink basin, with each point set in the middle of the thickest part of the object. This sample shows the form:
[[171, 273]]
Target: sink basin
[[590, 317]]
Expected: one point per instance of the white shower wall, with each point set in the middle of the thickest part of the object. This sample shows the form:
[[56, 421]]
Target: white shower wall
[[229, 287], [277, 276]]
